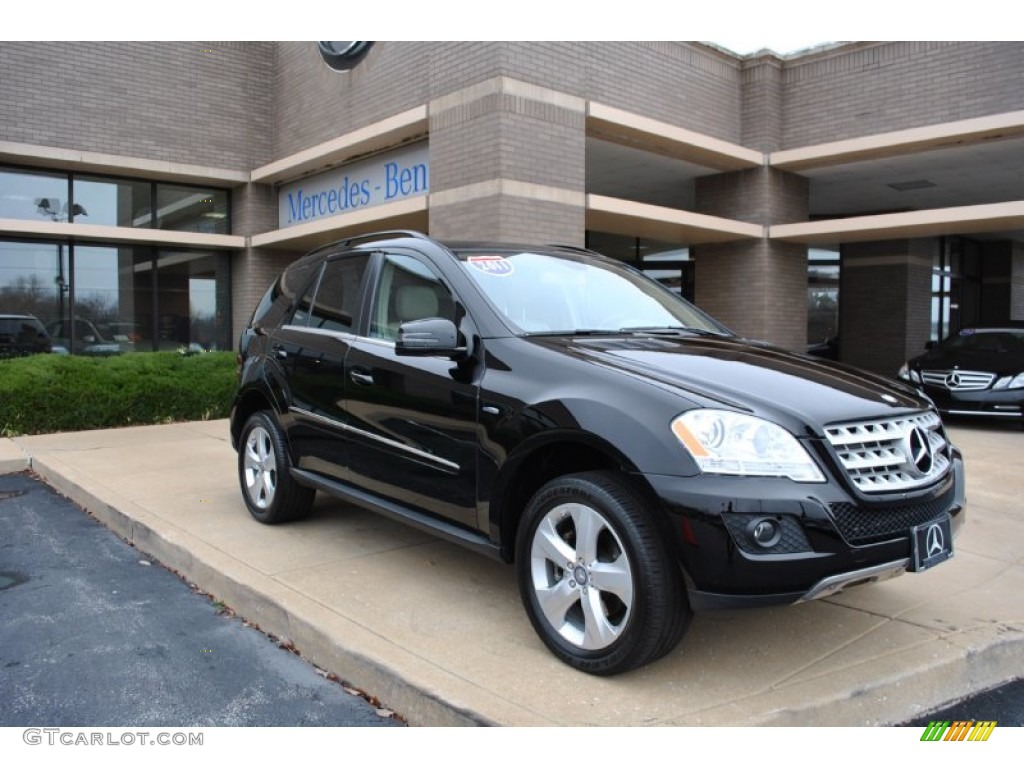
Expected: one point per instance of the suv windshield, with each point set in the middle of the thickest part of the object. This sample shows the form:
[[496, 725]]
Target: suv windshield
[[546, 293]]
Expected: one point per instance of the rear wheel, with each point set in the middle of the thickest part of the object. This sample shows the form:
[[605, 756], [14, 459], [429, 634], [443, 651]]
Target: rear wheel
[[270, 492], [595, 577]]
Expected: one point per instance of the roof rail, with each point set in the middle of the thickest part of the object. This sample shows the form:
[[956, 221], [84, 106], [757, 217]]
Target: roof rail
[[385, 233]]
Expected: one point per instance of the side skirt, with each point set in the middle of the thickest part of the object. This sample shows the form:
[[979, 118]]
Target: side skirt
[[472, 540]]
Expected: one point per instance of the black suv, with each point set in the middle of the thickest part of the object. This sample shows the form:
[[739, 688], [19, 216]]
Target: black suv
[[22, 335], [554, 408]]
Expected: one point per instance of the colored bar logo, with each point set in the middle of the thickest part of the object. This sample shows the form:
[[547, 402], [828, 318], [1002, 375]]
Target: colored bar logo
[[958, 730]]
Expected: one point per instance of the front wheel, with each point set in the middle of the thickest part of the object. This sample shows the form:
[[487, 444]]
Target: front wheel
[[597, 581], [269, 490]]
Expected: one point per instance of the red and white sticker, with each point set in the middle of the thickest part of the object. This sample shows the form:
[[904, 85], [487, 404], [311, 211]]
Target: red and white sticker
[[495, 266]]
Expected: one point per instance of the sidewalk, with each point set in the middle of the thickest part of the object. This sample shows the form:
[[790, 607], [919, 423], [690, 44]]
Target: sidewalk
[[439, 634]]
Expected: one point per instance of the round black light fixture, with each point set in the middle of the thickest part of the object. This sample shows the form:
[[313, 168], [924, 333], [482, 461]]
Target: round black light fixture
[[765, 532], [342, 56]]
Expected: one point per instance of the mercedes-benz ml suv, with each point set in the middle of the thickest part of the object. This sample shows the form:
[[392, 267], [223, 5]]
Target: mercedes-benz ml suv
[[558, 410]]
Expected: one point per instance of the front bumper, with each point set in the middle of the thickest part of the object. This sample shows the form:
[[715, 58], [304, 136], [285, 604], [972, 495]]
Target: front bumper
[[828, 537]]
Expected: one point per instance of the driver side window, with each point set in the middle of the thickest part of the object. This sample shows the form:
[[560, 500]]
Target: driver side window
[[408, 289]]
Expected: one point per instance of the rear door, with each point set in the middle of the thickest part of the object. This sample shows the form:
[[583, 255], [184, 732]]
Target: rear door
[[313, 346]]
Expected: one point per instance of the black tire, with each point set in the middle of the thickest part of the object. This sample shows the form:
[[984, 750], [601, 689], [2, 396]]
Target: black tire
[[622, 603], [270, 492]]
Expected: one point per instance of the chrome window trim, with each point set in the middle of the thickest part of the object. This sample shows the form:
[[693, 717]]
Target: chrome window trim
[[335, 424]]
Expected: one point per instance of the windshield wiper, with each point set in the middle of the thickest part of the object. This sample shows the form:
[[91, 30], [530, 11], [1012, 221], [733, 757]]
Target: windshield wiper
[[672, 330]]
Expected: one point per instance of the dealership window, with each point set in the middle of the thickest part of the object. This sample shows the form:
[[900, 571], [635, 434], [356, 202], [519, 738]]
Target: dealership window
[[668, 263], [33, 195], [91, 199], [113, 202], [956, 286], [34, 280], [108, 299], [192, 209], [822, 296]]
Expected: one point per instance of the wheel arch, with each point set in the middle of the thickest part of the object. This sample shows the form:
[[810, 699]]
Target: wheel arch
[[542, 460]]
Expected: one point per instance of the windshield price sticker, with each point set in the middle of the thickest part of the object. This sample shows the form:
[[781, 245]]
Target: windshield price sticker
[[496, 266]]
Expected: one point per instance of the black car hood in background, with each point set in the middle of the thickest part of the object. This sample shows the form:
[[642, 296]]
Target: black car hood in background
[[796, 391], [999, 363]]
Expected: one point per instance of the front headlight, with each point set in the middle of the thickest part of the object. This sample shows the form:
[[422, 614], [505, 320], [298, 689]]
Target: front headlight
[[728, 443], [907, 374], [1007, 382]]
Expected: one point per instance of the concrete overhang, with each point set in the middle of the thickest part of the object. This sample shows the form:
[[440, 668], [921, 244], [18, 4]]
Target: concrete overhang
[[944, 135], [609, 214], [137, 167], [391, 132], [410, 213], [623, 127], [82, 233], [968, 219]]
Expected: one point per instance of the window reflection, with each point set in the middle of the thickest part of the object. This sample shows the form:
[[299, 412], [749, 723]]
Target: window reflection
[[33, 195], [112, 202], [192, 209], [194, 301]]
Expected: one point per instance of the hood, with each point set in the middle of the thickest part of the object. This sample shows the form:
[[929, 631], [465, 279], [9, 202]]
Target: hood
[[799, 392]]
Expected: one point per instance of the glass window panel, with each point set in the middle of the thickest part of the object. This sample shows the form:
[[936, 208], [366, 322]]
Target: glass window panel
[[33, 281], [408, 290], [33, 195], [337, 298], [110, 312], [112, 202], [193, 301], [822, 296], [192, 209]]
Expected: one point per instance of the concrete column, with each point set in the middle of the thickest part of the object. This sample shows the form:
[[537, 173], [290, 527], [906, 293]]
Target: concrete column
[[253, 210], [757, 288], [507, 163], [885, 291]]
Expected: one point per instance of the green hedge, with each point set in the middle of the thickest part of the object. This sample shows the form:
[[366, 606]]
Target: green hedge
[[62, 393]]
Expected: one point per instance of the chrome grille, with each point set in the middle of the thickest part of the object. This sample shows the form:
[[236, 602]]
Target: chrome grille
[[958, 381], [890, 455]]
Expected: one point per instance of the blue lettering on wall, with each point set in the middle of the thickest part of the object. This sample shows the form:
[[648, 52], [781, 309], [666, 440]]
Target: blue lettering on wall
[[407, 180], [378, 180]]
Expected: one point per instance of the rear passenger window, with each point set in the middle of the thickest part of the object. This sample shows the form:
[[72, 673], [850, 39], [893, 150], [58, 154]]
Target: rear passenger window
[[336, 305]]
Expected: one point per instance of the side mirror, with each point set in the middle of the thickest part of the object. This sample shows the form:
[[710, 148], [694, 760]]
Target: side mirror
[[430, 337]]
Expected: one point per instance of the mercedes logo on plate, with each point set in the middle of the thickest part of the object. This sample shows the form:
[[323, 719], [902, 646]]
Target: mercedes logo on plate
[[935, 542], [919, 451]]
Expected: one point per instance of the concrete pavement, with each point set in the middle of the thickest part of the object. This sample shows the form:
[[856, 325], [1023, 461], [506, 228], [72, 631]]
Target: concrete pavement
[[439, 635]]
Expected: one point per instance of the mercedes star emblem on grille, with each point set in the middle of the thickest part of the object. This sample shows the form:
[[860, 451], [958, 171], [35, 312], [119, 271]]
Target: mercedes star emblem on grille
[[953, 381], [919, 451], [935, 542]]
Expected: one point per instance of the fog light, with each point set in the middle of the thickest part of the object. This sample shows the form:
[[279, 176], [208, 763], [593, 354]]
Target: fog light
[[765, 532]]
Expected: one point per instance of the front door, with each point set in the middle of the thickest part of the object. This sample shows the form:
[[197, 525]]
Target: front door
[[411, 420]]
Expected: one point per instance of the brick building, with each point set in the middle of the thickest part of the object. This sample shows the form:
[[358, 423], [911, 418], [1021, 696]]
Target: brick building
[[874, 191]]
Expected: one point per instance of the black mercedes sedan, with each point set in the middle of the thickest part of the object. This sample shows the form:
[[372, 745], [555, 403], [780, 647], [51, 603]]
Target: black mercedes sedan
[[558, 410], [976, 372]]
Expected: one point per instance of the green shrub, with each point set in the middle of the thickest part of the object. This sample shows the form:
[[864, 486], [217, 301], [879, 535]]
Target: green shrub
[[61, 393]]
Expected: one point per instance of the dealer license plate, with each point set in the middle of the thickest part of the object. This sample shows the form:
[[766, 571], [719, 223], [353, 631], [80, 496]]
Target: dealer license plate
[[933, 544]]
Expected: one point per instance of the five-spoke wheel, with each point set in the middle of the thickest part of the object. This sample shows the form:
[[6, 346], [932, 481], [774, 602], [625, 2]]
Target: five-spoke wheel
[[270, 493], [597, 581]]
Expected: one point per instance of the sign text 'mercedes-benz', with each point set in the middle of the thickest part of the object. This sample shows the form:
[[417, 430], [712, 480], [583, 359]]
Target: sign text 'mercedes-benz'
[[374, 181]]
